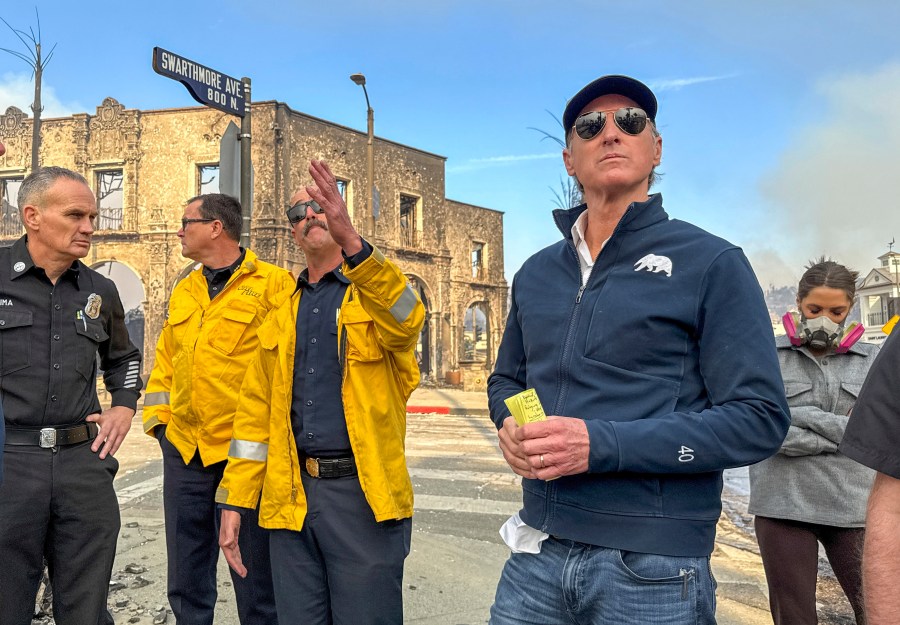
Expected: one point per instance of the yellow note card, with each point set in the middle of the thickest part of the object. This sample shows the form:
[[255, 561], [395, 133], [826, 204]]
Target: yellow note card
[[525, 407]]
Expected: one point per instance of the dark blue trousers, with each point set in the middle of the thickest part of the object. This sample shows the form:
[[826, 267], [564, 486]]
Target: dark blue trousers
[[192, 546], [342, 568]]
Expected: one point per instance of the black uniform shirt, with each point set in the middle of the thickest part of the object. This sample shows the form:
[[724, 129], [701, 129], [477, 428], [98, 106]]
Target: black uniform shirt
[[872, 436], [50, 336]]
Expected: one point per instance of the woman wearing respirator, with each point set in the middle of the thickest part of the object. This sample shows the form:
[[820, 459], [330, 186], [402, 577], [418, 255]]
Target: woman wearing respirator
[[808, 493]]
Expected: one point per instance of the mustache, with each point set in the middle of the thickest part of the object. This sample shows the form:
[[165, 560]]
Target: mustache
[[313, 223]]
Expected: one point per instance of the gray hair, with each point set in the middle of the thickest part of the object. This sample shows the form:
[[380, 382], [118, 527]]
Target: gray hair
[[38, 182]]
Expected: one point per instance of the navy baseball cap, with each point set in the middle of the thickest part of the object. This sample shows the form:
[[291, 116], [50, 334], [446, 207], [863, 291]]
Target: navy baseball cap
[[608, 85]]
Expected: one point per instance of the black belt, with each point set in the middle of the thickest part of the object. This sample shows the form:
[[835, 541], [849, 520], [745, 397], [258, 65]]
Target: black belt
[[52, 437], [328, 467]]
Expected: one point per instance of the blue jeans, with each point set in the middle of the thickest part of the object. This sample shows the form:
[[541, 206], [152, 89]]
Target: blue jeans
[[571, 583]]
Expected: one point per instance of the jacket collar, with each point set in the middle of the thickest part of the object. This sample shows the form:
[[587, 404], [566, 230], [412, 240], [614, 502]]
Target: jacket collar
[[197, 278], [248, 262], [638, 215], [210, 273], [783, 342]]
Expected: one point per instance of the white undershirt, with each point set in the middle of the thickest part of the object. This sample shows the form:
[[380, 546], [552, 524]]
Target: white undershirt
[[585, 261]]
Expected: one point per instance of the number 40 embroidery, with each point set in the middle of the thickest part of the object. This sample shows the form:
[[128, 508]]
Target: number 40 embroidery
[[687, 454]]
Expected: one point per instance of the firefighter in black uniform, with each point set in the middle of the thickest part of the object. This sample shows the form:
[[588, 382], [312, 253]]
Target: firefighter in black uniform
[[56, 315]]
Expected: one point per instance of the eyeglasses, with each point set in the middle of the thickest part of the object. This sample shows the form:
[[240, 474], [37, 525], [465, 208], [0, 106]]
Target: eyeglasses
[[297, 212], [185, 221], [630, 120]]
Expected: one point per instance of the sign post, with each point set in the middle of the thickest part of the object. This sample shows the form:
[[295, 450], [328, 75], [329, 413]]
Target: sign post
[[221, 92], [230, 161]]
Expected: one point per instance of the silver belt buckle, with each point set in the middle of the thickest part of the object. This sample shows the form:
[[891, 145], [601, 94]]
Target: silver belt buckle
[[48, 437]]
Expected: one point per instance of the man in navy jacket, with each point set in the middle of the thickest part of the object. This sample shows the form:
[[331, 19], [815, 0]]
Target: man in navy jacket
[[648, 341]]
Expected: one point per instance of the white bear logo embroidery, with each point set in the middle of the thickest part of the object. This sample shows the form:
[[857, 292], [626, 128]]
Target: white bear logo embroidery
[[655, 264]]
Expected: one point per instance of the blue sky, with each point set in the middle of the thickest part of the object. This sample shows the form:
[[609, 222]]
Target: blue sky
[[779, 119]]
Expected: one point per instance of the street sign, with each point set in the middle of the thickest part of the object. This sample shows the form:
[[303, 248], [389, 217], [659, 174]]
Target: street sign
[[206, 85]]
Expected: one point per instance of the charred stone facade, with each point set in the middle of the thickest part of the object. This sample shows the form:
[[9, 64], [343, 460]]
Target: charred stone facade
[[144, 165]]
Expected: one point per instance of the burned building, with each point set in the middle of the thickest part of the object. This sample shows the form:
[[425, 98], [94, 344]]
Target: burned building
[[144, 165]]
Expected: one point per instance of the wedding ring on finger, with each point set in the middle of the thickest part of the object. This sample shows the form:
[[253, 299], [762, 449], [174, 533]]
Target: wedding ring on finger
[[542, 461]]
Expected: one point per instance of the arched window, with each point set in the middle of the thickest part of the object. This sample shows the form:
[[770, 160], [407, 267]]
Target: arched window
[[131, 292], [475, 334], [423, 345]]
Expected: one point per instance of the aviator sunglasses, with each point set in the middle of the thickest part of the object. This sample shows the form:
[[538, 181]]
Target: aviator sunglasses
[[297, 212], [630, 120]]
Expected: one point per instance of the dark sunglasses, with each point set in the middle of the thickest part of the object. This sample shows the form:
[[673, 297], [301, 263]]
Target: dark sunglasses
[[297, 212], [630, 120]]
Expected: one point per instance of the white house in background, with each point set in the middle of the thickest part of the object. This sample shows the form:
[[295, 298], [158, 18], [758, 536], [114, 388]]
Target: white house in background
[[879, 296]]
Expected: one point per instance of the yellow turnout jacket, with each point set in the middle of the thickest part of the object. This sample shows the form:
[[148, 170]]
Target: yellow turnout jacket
[[378, 326], [203, 353]]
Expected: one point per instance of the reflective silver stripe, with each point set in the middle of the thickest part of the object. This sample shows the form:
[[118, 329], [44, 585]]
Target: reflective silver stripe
[[151, 423], [404, 304], [248, 450], [131, 375], [160, 398]]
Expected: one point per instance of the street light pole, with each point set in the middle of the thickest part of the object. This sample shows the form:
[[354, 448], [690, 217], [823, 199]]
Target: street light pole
[[360, 80], [246, 168]]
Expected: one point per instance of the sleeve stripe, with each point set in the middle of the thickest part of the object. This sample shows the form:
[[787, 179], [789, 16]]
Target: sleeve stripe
[[248, 450], [160, 398], [151, 423], [404, 304], [131, 374]]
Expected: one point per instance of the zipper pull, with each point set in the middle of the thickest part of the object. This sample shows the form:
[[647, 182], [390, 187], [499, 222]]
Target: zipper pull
[[580, 291]]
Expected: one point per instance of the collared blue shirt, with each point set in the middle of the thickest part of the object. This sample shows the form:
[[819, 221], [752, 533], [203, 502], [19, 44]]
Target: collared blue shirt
[[317, 411]]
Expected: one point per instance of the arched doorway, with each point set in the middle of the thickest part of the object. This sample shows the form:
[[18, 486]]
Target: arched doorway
[[423, 346], [131, 292], [476, 333]]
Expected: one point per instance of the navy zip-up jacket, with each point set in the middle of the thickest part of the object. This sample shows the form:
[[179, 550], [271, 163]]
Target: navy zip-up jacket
[[668, 355]]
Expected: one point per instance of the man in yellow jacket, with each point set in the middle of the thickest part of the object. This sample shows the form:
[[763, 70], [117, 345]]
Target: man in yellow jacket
[[206, 345], [321, 422]]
